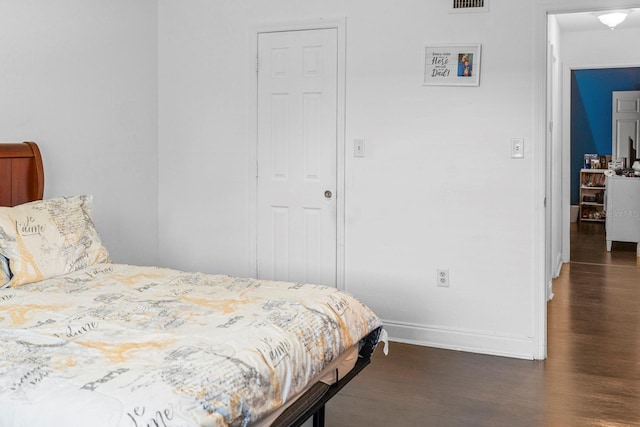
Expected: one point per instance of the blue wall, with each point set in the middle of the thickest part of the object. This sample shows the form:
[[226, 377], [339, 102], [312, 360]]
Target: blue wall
[[591, 114]]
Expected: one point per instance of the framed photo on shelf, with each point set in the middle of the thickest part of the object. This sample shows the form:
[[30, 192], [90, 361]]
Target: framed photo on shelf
[[451, 65]]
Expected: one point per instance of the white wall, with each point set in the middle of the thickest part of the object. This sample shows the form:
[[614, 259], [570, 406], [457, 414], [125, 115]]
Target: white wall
[[601, 48], [79, 77], [437, 189]]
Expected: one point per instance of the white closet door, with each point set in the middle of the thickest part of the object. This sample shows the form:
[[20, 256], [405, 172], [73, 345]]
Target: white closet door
[[297, 140]]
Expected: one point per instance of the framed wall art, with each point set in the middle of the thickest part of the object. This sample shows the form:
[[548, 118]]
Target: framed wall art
[[451, 65]]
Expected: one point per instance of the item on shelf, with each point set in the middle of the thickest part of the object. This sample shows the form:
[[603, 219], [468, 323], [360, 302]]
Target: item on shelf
[[592, 161], [595, 179], [628, 172], [592, 189], [616, 164]]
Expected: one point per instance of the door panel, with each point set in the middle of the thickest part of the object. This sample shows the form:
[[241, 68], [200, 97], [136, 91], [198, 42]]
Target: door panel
[[626, 125], [297, 148]]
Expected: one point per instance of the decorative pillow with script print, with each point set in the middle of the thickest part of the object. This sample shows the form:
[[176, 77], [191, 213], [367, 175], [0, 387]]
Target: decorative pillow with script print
[[5, 273], [48, 238]]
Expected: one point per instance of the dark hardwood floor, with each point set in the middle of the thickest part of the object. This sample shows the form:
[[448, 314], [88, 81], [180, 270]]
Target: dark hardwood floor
[[590, 378]]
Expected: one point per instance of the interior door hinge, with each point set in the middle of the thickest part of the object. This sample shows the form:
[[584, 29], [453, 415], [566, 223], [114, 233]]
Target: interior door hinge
[[257, 64]]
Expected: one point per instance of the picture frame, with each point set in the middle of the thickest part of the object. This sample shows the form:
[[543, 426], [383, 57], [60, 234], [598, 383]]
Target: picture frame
[[451, 64]]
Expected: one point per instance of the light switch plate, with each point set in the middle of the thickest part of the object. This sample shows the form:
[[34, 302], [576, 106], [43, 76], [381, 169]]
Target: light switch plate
[[358, 147]]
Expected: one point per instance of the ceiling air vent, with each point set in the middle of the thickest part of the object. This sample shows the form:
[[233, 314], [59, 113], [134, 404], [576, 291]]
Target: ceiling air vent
[[465, 6]]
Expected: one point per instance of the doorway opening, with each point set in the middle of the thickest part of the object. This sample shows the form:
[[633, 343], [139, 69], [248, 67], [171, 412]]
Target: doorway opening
[[575, 49]]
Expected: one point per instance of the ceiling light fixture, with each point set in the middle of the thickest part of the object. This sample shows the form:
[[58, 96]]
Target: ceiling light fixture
[[613, 18]]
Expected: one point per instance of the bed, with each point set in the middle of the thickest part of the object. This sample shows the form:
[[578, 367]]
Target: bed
[[85, 341]]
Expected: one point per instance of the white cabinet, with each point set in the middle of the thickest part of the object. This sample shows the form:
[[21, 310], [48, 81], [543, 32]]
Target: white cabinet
[[623, 210], [592, 188]]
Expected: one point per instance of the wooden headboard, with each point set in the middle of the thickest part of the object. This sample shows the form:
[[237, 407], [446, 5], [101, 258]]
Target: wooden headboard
[[21, 173]]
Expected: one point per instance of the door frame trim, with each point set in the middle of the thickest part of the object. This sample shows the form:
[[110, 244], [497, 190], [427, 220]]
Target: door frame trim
[[334, 23]]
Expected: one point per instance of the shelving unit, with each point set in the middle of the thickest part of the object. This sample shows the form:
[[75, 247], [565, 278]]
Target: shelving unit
[[592, 189]]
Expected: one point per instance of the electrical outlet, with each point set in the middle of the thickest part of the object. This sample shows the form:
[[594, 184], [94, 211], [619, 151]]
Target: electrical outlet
[[358, 147], [443, 277], [517, 148]]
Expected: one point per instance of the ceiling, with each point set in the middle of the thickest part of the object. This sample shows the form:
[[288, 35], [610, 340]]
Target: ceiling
[[588, 21]]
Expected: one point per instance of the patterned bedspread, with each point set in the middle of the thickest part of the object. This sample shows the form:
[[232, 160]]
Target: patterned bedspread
[[119, 345]]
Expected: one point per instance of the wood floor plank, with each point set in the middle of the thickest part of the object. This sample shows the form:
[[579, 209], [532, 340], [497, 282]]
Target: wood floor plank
[[590, 378]]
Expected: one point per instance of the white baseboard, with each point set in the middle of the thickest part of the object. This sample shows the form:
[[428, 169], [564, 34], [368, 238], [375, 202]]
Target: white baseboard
[[461, 340], [555, 273], [559, 264]]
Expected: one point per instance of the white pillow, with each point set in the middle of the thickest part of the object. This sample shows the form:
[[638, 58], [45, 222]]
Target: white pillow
[[48, 238]]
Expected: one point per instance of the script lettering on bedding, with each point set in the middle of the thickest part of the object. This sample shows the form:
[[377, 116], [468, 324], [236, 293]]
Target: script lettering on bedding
[[183, 353], [108, 298], [98, 271], [30, 228], [339, 305], [231, 322], [179, 292], [31, 377], [111, 375], [7, 297], [158, 419], [77, 288], [146, 286], [174, 322], [274, 352], [42, 323], [87, 327]]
